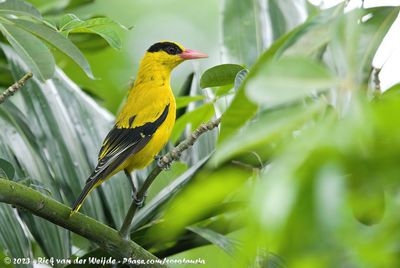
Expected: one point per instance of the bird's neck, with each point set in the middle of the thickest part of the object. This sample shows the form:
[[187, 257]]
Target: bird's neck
[[153, 73]]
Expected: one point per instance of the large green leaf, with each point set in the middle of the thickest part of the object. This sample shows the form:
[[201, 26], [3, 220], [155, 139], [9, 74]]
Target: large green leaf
[[267, 128], [19, 8], [52, 137], [149, 211], [287, 80], [242, 31], [190, 204], [34, 53], [220, 75], [104, 27], [285, 15], [373, 32], [242, 109], [57, 40]]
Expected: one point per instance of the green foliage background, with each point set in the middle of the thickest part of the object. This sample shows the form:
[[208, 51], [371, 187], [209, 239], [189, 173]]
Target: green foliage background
[[302, 172]]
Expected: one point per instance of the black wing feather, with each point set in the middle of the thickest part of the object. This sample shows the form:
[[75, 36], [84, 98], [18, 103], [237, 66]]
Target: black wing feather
[[120, 144], [130, 140]]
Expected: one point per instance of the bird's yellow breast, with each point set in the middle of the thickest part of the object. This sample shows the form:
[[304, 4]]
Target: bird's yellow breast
[[146, 102]]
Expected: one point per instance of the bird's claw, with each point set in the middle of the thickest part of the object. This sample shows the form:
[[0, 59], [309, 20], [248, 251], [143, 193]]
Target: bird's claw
[[161, 164], [139, 201]]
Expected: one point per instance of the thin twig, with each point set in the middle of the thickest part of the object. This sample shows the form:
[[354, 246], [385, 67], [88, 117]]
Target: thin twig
[[15, 87], [163, 163]]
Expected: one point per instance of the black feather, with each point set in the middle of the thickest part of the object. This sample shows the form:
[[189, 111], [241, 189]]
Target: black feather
[[120, 143], [168, 47]]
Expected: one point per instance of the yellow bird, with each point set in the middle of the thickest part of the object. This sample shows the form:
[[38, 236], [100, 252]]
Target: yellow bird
[[145, 123]]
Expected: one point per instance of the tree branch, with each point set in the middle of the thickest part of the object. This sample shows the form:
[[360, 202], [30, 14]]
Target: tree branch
[[14, 87], [45, 207], [164, 162]]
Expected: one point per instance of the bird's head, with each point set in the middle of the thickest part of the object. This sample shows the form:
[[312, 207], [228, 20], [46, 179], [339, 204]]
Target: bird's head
[[171, 54]]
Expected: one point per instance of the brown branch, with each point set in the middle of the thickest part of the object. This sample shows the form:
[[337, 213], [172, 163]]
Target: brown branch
[[45, 207], [15, 87], [164, 162]]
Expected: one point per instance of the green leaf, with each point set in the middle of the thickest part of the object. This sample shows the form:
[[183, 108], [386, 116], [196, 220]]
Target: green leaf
[[19, 8], [58, 41], [279, 26], [190, 205], [242, 109], [240, 77], [185, 101], [104, 27], [12, 236], [66, 20], [288, 80], [220, 75], [199, 115], [56, 142], [374, 30], [266, 129], [284, 15], [150, 209], [34, 53], [7, 168], [227, 244], [242, 31]]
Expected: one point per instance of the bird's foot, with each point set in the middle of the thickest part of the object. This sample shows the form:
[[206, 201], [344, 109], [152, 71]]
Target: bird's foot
[[139, 201], [163, 165]]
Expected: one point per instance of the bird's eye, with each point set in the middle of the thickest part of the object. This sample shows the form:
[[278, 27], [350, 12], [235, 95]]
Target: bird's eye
[[171, 50]]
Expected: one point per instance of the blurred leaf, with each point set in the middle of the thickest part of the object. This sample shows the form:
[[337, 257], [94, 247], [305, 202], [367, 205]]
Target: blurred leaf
[[225, 243], [392, 92], [165, 178], [277, 18], [241, 108], [13, 237], [199, 115], [287, 80], [187, 85], [240, 36], [373, 32], [19, 8], [191, 204], [58, 41], [367, 197], [151, 208], [34, 53], [267, 128], [185, 101], [285, 15], [240, 77], [220, 75], [64, 21], [55, 139], [104, 27], [7, 169]]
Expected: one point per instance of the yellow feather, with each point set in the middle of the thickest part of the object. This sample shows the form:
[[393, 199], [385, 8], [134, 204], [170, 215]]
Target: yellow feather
[[146, 102]]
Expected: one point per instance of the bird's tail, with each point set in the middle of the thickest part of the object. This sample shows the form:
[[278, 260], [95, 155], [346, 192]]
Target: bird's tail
[[91, 183]]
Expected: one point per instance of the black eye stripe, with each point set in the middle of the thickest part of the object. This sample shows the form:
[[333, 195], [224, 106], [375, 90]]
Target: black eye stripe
[[168, 47]]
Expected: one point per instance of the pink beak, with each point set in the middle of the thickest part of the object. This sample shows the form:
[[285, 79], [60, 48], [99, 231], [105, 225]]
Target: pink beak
[[189, 54]]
